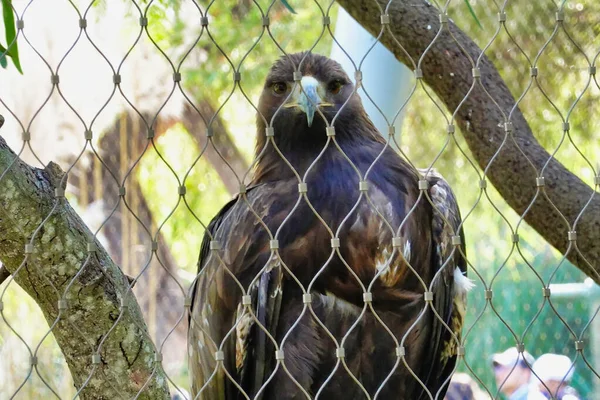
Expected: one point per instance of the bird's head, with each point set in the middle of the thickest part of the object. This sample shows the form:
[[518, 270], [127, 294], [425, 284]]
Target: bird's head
[[296, 108]]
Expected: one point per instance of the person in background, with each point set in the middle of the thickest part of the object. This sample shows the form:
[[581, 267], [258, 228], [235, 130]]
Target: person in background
[[555, 371], [512, 372], [463, 387]]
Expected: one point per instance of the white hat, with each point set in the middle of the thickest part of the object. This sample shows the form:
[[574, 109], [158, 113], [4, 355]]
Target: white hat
[[553, 367], [511, 356]]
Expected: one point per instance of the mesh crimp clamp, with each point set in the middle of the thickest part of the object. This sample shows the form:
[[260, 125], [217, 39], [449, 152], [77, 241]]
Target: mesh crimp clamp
[[358, 77], [533, 72], [246, 300], [62, 304], [540, 181], [330, 130], [306, 298], [520, 347], [215, 245], [340, 352], [423, 184], [335, 243]]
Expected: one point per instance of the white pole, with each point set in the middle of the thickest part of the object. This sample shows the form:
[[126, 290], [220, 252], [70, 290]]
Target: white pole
[[385, 79]]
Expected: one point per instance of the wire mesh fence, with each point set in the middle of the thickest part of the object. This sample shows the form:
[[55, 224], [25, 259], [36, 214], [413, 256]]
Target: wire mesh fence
[[150, 107]]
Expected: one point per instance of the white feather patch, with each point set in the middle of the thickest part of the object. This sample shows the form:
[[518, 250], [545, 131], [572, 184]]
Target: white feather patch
[[461, 282]]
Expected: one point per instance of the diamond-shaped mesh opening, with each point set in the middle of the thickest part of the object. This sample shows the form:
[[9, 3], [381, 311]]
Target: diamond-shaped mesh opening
[[333, 272]]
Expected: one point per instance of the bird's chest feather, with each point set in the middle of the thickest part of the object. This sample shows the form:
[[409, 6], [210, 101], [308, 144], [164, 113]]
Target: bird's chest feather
[[347, 238]]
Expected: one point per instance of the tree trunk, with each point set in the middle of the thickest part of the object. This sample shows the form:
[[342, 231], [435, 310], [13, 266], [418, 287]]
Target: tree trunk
[[513, 159], [84, 296], [124, 229]]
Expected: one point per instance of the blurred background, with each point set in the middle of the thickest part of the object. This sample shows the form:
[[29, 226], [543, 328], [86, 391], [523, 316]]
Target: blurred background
[[181, 113]]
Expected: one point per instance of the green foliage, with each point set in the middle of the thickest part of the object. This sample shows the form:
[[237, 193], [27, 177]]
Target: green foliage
[[206, 193], [472, 12], [287, 5], [11, 50]]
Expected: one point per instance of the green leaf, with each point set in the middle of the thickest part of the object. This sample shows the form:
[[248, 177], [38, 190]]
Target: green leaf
[[472, 12], [287, 5], [11, 33], [3, 62]]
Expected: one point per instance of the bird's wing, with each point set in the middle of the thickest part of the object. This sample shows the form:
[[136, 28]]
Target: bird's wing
[[449, 285], [219, 322]]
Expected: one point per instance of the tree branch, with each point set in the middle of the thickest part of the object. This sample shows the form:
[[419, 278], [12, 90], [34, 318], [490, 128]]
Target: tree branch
[[61, 268], [481, 122], [221, 152]]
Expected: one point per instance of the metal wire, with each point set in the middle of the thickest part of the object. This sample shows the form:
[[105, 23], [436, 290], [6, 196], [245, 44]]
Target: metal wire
[[143, 83]]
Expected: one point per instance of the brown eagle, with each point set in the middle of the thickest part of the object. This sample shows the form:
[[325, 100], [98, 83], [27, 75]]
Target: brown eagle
[[339, 273]]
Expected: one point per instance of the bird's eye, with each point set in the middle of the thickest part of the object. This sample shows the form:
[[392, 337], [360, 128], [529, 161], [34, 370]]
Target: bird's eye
[[336, 86], [279, 87]]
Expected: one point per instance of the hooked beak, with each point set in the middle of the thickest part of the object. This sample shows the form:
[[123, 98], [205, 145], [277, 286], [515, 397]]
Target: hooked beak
[[307, 98]]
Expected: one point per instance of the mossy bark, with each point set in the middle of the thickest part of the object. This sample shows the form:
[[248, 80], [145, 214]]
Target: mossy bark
[[101, 314], [447, 69]]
